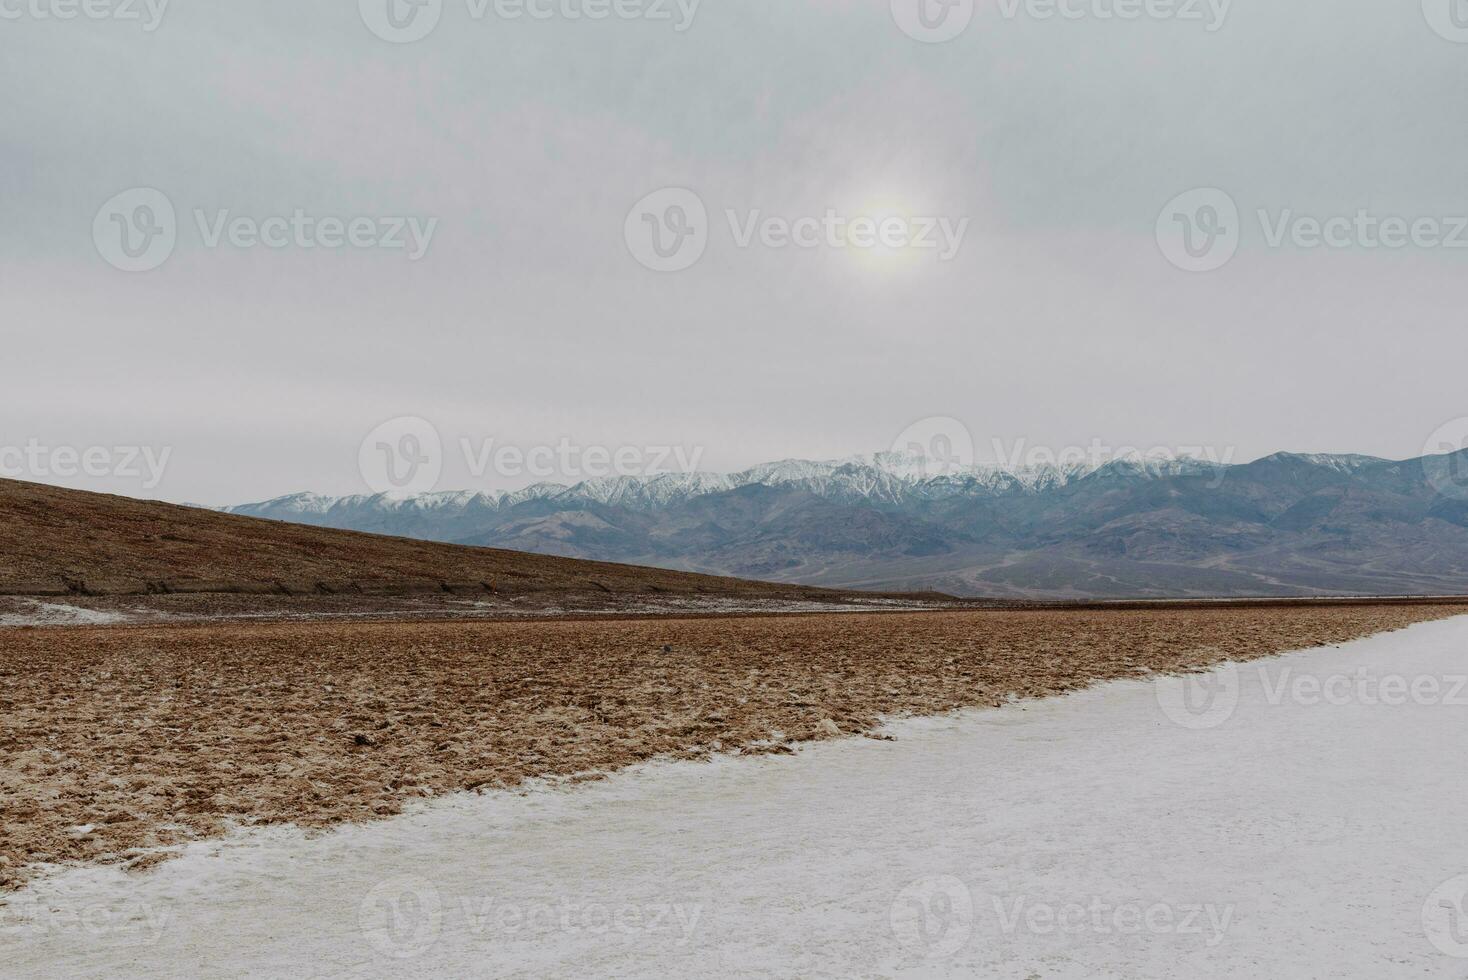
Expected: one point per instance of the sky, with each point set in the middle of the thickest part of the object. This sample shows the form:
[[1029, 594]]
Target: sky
[[245, 242]]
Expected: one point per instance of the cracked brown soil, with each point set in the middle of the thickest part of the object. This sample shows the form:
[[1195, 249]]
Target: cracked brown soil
[[117, 741]]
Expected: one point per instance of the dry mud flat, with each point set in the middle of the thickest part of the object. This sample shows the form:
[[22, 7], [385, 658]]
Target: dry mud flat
[[116, 742]]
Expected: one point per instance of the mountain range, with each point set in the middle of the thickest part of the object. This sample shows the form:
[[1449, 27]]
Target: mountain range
[[1288, 524]]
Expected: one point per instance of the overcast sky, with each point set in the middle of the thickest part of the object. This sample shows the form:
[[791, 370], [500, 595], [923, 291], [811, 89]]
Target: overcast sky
[[530, 319]]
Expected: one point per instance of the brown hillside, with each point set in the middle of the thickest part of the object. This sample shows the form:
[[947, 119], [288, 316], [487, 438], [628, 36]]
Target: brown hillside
[[58, 542]]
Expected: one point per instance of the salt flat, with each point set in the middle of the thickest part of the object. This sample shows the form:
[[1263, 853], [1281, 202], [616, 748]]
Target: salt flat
[[1300, 817]]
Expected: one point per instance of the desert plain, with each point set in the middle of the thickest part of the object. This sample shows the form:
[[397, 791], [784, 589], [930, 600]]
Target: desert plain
[[120, 744]]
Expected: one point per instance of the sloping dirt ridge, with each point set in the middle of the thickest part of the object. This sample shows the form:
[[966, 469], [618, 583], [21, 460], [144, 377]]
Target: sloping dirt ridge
[[56, 542]]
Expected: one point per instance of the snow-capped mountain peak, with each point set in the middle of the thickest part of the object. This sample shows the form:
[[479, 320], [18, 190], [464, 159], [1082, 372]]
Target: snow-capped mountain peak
[[881, 478], [887, 477]]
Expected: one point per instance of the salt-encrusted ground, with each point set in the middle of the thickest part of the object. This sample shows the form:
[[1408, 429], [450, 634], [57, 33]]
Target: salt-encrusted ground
[[1299, 817], [119, 745]]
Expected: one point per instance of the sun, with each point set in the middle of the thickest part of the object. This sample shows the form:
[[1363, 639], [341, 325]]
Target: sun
[[880, 231]]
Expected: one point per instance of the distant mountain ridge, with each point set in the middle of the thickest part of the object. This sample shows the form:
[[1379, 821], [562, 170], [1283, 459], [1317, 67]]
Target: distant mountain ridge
[[1288, 524], [892, 477]]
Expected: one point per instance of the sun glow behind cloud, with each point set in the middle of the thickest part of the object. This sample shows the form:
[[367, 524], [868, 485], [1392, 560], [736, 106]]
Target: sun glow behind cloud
[[889, 233]]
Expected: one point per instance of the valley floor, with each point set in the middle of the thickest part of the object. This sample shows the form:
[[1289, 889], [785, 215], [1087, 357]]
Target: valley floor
[[121, 744], [1279, 818]]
